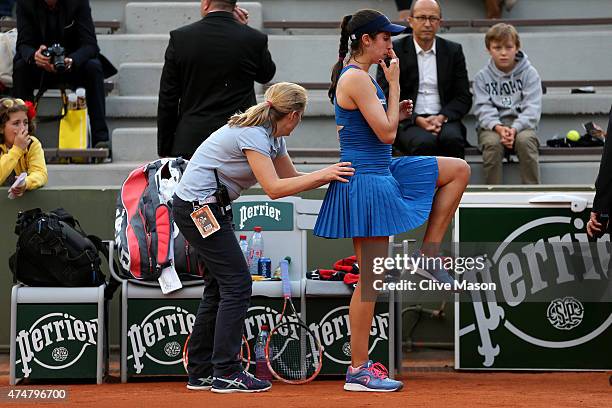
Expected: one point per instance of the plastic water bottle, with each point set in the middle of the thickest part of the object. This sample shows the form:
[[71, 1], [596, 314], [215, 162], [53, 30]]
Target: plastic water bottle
[[261, 366], [256, 249], [72, 101], [244, 247], [81, 99]]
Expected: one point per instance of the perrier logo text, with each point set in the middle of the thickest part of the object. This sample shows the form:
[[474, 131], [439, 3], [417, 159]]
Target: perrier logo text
[[55, 341], [250, 211]]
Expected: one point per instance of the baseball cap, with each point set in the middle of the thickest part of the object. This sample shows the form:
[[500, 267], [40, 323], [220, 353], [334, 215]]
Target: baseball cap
[[379, 24]]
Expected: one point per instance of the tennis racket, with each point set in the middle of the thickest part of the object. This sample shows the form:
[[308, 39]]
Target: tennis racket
[[245, 354], [293, 353]]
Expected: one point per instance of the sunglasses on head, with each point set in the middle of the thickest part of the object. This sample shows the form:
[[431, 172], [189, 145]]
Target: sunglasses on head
[[9, 103]]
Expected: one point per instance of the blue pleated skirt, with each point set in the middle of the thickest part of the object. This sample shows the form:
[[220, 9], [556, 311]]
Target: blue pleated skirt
[[380, 203]]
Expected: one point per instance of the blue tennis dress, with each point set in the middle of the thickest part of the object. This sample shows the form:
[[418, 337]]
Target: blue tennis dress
[[385, 196]]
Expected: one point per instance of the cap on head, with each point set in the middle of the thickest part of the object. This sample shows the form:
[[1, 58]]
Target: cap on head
[[378, 25]]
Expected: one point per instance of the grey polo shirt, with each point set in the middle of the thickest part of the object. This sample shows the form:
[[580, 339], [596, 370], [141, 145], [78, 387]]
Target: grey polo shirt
[[224, 151]]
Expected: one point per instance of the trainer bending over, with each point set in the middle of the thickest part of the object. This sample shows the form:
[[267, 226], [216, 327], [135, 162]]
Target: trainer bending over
[[249, 149]]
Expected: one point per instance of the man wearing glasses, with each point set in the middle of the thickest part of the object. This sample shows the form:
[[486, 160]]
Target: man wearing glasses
[[433, 75]]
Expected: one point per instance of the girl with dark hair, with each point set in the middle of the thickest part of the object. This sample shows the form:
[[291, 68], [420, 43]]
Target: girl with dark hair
[[385, 196]]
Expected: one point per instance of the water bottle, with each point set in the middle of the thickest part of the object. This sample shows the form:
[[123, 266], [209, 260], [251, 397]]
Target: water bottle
[[256, 248], [72, 101], [81, 99], [261, 367], [244, 247]]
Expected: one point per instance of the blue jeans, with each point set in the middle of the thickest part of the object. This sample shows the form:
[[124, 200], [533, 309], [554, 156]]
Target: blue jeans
[[216, 338]]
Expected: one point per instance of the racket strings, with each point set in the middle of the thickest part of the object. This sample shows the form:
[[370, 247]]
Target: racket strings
[[293, 352]]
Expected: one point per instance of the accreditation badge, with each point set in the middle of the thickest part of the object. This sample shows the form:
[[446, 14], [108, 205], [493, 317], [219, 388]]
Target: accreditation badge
[[205, 220]]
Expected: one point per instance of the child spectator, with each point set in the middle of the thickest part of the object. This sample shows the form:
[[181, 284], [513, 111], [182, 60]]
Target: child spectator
[[19, 150], [508, 105]]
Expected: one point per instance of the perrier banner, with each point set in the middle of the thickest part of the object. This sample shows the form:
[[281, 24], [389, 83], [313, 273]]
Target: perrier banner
[[270, 215], [56, 341], [158, 328], [513, 331], [328, 318]]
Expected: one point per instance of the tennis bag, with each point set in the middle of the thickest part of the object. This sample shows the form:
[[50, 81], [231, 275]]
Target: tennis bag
[[53, 250], [146, 238]]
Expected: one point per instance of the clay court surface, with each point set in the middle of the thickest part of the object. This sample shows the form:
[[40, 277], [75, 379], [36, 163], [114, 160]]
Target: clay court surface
[[424, 386]]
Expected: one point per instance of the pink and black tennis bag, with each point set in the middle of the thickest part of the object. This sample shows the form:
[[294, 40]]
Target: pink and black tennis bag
[[146, 238]]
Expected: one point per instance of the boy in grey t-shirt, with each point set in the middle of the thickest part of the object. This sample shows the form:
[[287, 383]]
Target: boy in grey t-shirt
[[508, 105]]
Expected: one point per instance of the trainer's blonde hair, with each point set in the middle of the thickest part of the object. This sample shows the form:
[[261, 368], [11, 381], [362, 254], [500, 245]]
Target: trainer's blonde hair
[[279, 100]]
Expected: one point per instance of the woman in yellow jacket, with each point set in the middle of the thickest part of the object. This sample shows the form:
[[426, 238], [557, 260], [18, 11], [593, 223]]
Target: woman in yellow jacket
[[19, 151]]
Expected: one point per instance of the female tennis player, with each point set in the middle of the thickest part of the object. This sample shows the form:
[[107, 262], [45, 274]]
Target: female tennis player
[[385, 196]]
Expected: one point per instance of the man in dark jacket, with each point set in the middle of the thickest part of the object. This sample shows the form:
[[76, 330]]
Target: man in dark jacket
[[433, 75], [209, 72], [602, 203], [40, 25]]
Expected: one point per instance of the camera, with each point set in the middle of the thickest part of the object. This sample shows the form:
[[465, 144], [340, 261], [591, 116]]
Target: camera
[[57, 53]]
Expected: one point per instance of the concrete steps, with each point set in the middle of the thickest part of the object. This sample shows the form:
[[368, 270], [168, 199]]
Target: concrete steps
[[161, 17], [113, 174], [138, 52], [308, 58], [561, 112], [325, 10]]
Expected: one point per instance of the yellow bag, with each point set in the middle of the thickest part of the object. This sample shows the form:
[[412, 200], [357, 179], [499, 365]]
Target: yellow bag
[[73, 130]]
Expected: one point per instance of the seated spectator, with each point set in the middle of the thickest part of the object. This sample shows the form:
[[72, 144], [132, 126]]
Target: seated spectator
[[433, 75], [19, 150], [494, 7], [40, 25], [508, 105]]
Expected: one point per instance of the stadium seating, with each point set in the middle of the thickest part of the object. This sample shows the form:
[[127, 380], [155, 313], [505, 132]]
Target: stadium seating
[[137, 49]]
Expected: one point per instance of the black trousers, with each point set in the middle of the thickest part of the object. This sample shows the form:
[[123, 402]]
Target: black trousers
[[27, 77], [416, 141], [214, 346]]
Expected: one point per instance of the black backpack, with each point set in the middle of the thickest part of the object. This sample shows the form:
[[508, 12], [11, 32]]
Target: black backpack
[[53, 250]]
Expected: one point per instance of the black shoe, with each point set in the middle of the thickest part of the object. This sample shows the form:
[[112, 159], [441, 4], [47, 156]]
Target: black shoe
[[200, 383], [240, 381]]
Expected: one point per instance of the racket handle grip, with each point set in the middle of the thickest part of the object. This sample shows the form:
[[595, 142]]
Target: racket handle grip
[[284, 267]]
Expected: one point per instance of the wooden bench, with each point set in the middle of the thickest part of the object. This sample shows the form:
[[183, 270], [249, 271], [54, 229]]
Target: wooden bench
[[64, 156], [111, 25], [474, 24]]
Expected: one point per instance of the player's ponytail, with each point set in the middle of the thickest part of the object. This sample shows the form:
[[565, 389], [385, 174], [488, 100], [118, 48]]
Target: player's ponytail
[[342, 51]]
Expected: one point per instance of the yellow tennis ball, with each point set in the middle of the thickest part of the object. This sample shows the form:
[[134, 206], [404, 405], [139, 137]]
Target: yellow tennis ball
[[573, 135]]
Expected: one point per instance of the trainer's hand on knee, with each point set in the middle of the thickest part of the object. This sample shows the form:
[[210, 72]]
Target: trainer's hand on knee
[[337, 172]]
